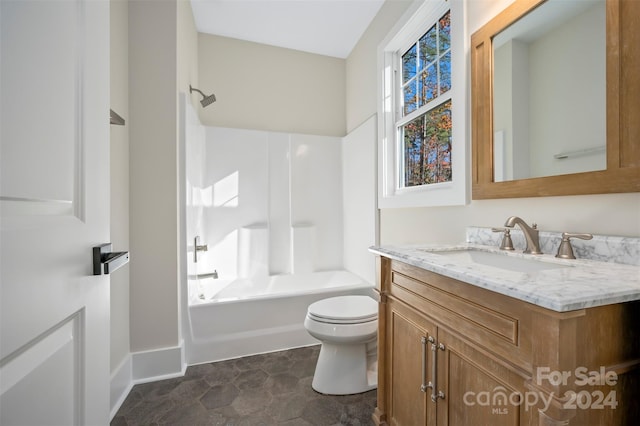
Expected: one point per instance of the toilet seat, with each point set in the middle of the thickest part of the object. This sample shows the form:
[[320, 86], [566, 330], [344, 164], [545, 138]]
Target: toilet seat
[[344, 310]]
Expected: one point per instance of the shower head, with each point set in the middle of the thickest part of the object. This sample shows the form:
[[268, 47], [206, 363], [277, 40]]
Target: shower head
[[206, 100]]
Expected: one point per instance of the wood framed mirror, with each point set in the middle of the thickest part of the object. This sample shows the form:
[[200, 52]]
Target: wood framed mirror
[[620, 167]]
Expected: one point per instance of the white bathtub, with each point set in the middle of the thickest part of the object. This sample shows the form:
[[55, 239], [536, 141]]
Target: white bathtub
[[233, 318]]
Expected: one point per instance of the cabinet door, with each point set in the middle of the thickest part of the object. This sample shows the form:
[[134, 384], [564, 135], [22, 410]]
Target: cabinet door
[[410, 364], [478, 390]]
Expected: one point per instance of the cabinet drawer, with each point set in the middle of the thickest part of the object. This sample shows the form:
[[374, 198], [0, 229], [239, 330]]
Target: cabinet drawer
[[478, 314], [502, 325]]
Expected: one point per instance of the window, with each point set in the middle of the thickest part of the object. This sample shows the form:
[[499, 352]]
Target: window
[[426, 147], [426, 66], [422, 136], [425, 141]]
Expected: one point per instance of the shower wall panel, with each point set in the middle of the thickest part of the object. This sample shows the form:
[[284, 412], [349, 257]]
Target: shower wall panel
[[316, 197], [279, 206], [359, 198], [269, 183], [237, 188], [194, 142]]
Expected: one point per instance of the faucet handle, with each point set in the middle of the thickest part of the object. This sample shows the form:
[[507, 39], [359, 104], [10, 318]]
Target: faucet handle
[[507, 243], [565, 251]]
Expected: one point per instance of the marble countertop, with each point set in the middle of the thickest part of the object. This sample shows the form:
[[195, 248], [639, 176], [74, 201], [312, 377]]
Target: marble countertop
[[581, 284]]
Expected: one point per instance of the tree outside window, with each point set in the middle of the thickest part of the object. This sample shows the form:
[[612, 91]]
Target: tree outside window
[[425, 125]]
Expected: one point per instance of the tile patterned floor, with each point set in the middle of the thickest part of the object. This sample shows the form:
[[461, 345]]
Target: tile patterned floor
[[267, 389]]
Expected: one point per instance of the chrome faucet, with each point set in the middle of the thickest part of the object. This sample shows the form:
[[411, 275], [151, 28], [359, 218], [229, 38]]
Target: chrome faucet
[[530, 234], [197, 247]]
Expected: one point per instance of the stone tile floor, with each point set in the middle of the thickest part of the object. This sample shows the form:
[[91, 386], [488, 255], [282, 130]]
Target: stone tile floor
[[266, 389]]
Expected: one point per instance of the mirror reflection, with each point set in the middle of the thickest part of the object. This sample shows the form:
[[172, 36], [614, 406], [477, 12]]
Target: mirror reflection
[[549, 89]]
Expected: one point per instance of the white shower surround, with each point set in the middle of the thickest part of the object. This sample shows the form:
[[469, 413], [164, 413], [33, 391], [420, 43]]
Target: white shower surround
[[271, 205]]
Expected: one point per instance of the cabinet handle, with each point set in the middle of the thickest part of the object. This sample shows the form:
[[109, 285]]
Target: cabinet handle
[[434, 373], [436, 394], [423, 341]]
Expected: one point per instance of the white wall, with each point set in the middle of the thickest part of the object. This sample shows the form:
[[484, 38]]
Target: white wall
[[120, 360], [187, 54], [153, 175], [362, 65], [187, 74], [270, 88], [119, 180], [615, 214]]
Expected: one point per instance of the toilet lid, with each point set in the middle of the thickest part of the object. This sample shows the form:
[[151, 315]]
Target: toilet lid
[[344, 310]]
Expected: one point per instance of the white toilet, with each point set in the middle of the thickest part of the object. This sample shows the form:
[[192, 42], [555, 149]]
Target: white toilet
[[347, 326]]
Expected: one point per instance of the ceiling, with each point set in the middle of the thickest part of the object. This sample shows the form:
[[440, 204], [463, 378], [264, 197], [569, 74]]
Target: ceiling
[[324, 27]]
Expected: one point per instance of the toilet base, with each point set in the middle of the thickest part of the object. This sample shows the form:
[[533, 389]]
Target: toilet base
[[345, 369]]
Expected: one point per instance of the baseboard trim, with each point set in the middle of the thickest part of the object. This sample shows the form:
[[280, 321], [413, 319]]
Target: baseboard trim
[[145, 367], [158, 364], [120, 386]]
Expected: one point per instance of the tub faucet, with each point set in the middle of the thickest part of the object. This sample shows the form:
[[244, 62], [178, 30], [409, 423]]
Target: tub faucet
[[530, 234], [197, 247]]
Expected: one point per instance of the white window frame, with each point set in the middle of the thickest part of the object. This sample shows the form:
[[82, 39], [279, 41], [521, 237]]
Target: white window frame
[[418, 19]]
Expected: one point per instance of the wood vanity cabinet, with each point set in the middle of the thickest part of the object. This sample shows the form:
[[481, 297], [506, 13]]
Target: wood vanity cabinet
[[497, 360]]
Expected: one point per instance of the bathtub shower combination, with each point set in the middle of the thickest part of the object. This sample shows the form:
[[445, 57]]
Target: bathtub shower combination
[[269, 207]]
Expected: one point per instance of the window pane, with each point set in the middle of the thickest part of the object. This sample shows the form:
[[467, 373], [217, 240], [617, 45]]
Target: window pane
[[429, 79], [428, 47], [445, 32], [445, 72], [410, 97], [409, 64], [427, 147], [412, 144]]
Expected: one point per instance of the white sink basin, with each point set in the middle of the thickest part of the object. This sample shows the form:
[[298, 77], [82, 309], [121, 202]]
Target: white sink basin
[[470, 256]]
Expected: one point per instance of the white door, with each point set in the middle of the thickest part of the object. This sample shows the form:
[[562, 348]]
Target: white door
[[54, 189]]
